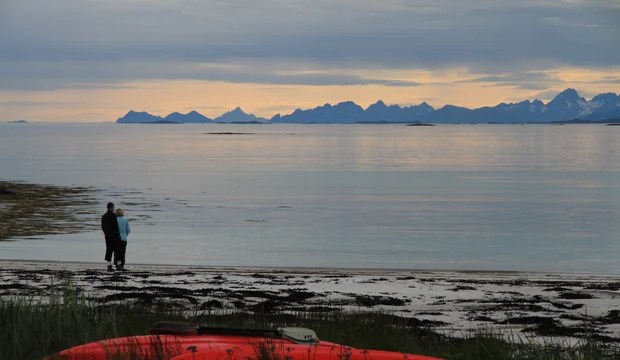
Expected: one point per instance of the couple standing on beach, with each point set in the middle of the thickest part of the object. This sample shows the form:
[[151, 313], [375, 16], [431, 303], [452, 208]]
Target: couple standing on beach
[[116, 228]]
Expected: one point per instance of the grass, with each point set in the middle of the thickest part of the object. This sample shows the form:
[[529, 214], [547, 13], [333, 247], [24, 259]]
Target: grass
[[38, 327]]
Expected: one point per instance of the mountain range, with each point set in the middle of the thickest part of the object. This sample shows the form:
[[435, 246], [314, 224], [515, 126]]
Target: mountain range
[[193, 117], [567, 105]]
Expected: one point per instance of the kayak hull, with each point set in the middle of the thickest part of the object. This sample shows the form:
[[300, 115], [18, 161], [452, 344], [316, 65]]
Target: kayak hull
[[205, 347], [182, 341]]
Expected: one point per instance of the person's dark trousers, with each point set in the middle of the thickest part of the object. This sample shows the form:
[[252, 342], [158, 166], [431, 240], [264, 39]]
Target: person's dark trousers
[[120, 254], [110, 247]]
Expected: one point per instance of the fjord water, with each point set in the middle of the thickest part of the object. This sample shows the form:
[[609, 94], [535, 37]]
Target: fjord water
[[468, 197]]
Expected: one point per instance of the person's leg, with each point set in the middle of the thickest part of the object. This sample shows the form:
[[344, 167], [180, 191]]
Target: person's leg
[[109, 249], [120, 263], [124, 252], [116, 253], [108, 252]]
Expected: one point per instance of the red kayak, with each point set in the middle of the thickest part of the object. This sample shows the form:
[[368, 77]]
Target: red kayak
[[181, 341]]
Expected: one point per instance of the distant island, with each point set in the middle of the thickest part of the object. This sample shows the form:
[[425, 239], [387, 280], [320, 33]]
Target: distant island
[[420, 124], [579, 121], [242, 122], [17, 122], [567, 107], [161, 122]]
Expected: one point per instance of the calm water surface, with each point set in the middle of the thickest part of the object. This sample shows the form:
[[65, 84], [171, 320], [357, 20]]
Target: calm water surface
[[475, 197]]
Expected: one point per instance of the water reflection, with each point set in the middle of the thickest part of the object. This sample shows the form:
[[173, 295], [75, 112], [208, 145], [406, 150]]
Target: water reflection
[[477, 197]]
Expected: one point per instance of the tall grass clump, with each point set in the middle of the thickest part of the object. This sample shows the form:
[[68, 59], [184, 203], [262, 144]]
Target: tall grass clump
[[33, 328]]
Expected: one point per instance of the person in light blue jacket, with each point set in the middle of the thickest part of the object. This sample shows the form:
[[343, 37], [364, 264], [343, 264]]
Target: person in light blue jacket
[[124, 229]]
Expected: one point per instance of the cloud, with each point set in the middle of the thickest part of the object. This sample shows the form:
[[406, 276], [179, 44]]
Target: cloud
[[39, 104], [49, 75], [101, 37], [607, 80], [528, 80]]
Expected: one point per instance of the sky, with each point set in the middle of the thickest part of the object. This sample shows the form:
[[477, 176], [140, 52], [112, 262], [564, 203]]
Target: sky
[[94, 60]]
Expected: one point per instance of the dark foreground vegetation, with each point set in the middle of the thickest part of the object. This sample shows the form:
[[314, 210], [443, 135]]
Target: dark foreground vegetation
[[38, 327]]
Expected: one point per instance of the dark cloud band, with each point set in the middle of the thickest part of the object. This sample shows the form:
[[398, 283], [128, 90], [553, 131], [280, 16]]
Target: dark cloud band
[[103, 37]]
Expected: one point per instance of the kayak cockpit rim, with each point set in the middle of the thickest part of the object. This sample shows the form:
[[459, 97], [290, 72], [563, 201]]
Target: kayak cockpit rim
[[298, 335]]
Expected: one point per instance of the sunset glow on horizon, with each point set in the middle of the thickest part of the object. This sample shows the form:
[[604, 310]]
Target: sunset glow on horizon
[[278, 57]]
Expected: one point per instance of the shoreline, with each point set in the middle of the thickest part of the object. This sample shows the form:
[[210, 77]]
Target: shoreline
[[534, 306], [317, 270]]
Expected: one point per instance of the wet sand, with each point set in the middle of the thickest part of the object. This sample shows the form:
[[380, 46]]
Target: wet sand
[[535, 306], [31, 210]]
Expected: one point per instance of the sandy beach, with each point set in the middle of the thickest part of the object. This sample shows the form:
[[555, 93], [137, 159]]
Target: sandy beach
[[539, 307]]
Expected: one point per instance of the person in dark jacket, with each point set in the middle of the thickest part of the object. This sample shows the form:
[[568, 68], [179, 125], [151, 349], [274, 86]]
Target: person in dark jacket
[[109, 225]]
